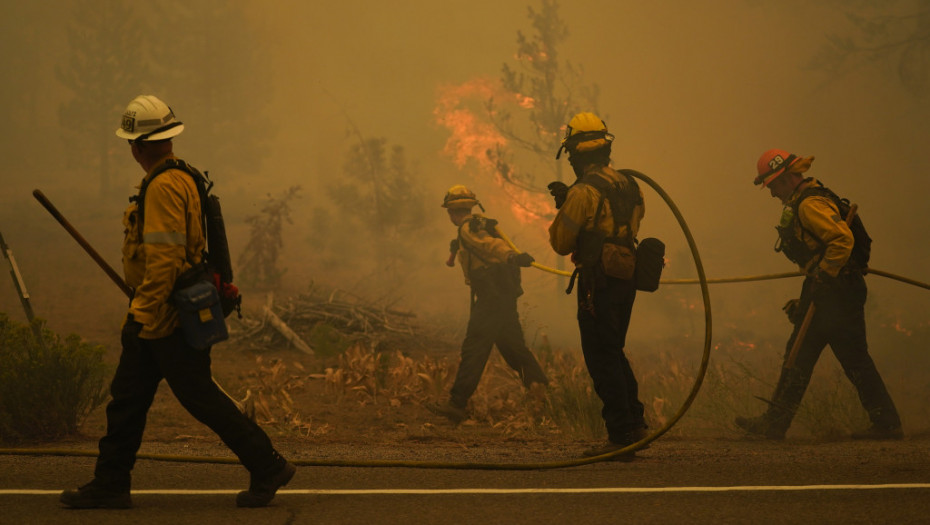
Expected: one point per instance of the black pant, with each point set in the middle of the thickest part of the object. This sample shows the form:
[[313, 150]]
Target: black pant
[[143, 364], [838, 321], [603, 319], [494, 320]]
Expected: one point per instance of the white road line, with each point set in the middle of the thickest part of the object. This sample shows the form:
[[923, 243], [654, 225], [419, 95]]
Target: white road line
[[593, 490]]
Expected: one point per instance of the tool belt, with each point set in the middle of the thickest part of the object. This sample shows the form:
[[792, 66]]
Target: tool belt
[[498, 279]]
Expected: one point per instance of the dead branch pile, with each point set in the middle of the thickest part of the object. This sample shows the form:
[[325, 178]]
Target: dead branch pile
[[328, 323]]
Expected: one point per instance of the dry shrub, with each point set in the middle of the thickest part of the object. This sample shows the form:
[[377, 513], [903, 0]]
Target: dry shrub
[[739, 372], [571, 403], [46, 387], [268, 399], [392, 376]]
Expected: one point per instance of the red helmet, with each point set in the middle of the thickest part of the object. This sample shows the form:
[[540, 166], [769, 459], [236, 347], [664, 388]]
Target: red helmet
[[773, 163]]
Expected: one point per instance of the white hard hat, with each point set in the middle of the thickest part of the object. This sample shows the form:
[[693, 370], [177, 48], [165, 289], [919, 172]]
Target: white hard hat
[[148, 118]]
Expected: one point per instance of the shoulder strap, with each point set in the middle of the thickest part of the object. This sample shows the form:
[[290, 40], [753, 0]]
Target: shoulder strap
[[613, 193], [811, 192], [476, 224], [201, 181]]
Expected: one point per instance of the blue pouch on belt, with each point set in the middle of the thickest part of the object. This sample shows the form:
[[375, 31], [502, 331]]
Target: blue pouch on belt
[[201, 314]]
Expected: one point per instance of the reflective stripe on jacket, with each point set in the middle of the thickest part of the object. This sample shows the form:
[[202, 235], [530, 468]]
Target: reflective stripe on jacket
[[172, 239], [818, 215], [577, 213]]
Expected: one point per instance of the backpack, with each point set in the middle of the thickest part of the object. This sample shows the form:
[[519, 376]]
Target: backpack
[[217, 265], [494, 279], [798, 252], [600, 253]]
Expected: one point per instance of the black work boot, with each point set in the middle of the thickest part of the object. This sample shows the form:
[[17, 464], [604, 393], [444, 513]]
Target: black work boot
[[448, 410], [774, 423], [633, 436], [878, 433], [95, 496], [761, 426], [262, 490], [609, 447]]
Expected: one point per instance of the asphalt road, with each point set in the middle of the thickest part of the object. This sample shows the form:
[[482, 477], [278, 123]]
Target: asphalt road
[[672, 482]]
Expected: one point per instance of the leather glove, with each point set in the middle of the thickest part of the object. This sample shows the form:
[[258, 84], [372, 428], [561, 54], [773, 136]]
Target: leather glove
[[129, 337], [558, 190], [522, 259]]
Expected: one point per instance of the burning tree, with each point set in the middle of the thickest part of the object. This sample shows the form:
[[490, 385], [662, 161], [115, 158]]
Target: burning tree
[[511, 125]]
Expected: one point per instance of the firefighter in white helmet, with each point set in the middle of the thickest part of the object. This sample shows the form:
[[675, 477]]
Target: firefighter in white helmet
[[602, 204], [815, 234], [492, 271], [159, 244]]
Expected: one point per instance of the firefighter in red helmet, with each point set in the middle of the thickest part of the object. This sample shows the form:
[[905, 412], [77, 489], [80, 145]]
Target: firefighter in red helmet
[[821, 233]]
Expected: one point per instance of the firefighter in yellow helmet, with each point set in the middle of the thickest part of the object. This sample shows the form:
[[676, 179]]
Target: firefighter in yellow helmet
[[163, 237], [814, 234], [597, 222], [492, 270]]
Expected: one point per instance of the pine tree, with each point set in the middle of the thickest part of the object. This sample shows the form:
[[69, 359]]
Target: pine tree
[[214, 70], [103, 70], [883, 32]]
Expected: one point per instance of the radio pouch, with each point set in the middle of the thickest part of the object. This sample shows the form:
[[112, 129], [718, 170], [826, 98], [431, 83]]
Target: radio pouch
[[650, 260], [200, 314]]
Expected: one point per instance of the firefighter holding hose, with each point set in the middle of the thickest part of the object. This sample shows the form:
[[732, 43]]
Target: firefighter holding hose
[[492, 271]]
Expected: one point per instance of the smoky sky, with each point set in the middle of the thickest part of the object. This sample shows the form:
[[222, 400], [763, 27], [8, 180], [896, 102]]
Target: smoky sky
[[693, 91]]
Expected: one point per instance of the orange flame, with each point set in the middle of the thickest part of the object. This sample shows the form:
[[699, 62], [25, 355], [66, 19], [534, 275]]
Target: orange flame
[[475, 138], [472, 138], [899, 327]]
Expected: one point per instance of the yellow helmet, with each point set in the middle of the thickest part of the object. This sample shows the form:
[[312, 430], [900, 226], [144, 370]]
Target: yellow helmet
[[459, 196], [585, 132]]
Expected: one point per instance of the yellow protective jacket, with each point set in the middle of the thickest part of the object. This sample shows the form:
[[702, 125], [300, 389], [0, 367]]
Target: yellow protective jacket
[[478, 249], [171, 240], [485, 261], [819, 216], [577, 213]]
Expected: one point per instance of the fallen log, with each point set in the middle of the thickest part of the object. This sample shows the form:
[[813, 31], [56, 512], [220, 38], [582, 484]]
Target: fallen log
[[286, 331]]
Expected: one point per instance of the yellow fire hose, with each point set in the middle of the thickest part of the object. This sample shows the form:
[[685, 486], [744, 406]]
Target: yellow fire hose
[[478, 466], [721, 280], [705, 293]]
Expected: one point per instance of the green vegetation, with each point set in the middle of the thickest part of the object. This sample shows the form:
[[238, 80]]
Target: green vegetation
[[47, 387], [380, 207]]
